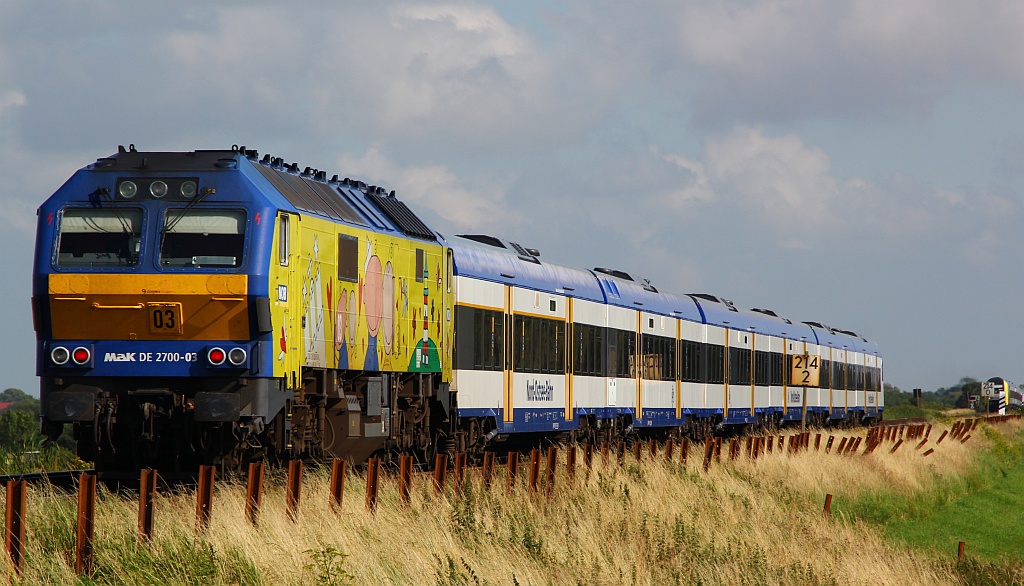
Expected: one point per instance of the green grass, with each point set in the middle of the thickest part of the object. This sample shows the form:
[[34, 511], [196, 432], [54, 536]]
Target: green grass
[[984, 509], [987, 512]]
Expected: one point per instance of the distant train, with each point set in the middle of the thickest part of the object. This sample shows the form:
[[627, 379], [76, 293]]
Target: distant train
[[1001, 394], [215, 307]]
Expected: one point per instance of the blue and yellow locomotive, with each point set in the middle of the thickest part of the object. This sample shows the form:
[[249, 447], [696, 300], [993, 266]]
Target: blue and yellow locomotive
[[209, 307], [216, 307]]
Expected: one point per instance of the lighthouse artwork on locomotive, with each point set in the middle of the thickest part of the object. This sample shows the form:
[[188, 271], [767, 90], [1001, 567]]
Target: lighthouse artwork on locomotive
[[216, 307]]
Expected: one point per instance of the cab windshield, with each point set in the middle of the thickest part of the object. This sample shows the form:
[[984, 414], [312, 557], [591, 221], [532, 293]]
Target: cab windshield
[[202, 238], [99, 238]]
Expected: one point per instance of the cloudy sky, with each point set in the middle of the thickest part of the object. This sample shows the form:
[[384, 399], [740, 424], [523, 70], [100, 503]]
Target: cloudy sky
[[858, 163]]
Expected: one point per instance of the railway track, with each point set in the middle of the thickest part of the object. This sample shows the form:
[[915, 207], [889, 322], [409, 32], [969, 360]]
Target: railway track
[[60, 478], [118, 481], [68, 479]]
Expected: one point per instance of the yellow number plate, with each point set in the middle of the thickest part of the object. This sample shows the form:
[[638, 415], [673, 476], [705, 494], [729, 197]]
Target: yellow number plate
[[805, 371], [164, 318]]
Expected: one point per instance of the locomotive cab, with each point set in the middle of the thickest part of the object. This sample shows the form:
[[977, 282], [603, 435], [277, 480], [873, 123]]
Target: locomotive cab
[[146, 322]]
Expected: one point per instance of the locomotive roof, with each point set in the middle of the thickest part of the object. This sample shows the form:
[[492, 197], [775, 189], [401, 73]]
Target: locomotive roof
[[306, 191]]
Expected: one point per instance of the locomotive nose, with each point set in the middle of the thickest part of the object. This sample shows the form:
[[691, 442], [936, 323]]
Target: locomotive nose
[[149, 307]]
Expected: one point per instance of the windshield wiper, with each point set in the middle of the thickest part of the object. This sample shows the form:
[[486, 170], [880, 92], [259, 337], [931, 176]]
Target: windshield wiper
[[169, 225]]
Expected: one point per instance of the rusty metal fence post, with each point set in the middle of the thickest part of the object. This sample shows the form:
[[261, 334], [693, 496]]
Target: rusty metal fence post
[[460, 472], [404, 478], [254, 492], [513, 469], [684, 450], [828, 506], [86, 523], [488, 470], [204, 498], [570, 465], [147, 491], [534, 471], [14, 525], [372, 483], [338, 468], [549, 481], [294, 488], [440, 472]]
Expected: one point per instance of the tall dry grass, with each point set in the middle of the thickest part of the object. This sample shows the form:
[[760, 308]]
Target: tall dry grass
[[650, 522]]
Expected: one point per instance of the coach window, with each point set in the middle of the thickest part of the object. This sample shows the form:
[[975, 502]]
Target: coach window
[[739, 366], [716, 364], [284, 240], [622, 355], [99, 238], [589, 350], [825, 374], [202, 238], [693, 359], [348, 258], [659, 354]]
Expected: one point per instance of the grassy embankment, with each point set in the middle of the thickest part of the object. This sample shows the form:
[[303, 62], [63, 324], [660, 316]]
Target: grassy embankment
[[744, 522]]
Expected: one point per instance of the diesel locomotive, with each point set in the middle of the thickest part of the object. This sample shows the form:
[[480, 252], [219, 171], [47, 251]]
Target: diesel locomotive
[[218, 307]]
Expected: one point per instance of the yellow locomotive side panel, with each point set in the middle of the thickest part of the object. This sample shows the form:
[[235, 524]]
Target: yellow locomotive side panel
[[358, 300]]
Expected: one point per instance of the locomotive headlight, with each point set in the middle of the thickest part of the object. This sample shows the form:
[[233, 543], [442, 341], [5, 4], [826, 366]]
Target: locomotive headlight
[[81, 355], [127, 189], [188, 189], [60, 355], [236, 356], [216, 356], [158, 189]]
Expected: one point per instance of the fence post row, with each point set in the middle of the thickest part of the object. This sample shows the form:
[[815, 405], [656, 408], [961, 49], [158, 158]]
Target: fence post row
[[15, 518]]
